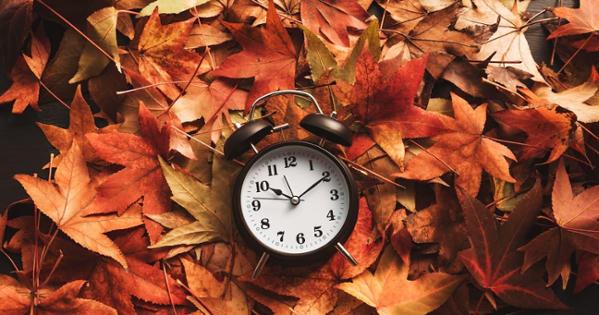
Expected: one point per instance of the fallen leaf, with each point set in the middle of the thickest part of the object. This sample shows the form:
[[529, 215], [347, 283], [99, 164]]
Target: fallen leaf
[[170, 7], [465, 149], [161, 53], [508, 42], [210, 205], [582, 20], [141, 175], [268, 56], [493, 260], [383, 100], [442, 223], [25, 76], [364, 244], [15, 19], [577, 220], [101, 29], [545, 129], [15, 298], [81, 122], [333, 18], [390, 292], [69, 203]]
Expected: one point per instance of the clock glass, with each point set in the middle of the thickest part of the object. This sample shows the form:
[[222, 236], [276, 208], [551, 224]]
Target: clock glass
[[295, 199]]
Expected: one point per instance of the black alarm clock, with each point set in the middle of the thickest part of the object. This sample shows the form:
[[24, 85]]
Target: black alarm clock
[[293, 201]]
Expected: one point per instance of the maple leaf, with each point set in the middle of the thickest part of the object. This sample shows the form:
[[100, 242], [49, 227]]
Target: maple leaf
[[81, 122], [141, 176], [545, 129], [588, 271], [26, 74], [69, 203], [390, 292], [577, 99], [493, 260], [465, 149], [333, 18], [420, 31], [508, 42], [212, 103], [577, 227], [441, 223], [16, 299], [101, 28], [15, 19], [383, 100], [268, 56], [364, 244], [112, 285], [210, 205], [170, 7], [162, 57], [583, 20]]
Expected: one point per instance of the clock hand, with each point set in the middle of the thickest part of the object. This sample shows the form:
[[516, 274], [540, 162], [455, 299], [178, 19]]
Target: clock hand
[[279, 192], [288, 186], [313, 185], [265, 198]]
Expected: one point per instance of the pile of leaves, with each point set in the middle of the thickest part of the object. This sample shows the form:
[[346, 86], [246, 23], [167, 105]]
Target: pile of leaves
[[476, 165]]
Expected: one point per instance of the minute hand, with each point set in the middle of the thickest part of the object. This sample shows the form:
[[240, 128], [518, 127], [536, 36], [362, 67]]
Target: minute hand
[[313, 185]]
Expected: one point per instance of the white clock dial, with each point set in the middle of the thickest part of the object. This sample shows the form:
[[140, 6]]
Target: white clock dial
[[294, 199]]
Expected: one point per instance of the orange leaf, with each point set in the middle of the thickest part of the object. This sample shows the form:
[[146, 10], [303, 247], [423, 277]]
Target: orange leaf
[[268, 56], [464, 149]]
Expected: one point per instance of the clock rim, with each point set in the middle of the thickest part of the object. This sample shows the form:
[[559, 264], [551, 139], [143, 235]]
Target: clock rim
[[312, 256]]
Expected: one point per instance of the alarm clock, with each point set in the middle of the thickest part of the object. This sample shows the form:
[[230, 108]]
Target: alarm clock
[[293, 201]]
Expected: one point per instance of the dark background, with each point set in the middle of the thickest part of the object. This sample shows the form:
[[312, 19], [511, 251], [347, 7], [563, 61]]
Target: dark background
[[24, 149]]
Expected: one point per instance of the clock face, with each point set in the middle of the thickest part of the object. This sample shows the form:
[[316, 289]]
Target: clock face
[[295, 199]]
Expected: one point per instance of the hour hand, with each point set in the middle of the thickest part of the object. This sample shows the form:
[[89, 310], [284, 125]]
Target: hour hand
[[279, 192]]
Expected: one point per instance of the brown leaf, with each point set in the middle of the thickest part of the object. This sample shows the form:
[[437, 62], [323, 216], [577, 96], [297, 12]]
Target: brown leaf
[[493, 260], [465, 149], [577, 219], [545, 129], [15, 298], [268, 56], [390, 292], [69, 202], [333, 18]]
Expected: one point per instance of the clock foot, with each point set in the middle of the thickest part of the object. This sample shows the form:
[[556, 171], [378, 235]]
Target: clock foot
[[346, 254], [260, 265]]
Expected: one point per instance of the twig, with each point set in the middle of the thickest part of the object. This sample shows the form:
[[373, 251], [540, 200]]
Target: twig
[[371, 172], [168, 289], [186, 85], [62, 18], [155, 84], [434, 156], [586, 41], [12, 262], [58, 260], [191, 137], [63, 103]]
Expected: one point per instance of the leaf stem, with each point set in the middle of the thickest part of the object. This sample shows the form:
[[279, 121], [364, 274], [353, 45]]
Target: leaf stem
[[63, 103], [434, 156]]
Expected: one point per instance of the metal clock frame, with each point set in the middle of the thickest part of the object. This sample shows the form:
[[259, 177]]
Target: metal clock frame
[[315, 255]]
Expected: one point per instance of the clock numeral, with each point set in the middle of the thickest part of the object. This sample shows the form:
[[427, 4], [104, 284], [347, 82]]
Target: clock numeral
[[265, 223], [331, 216], [311, 166], [326, 176], [334, 194], [256, 205], [272, 170], [290, 161], [300, 238], [280, 234], [262, 186], [317, 231]]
